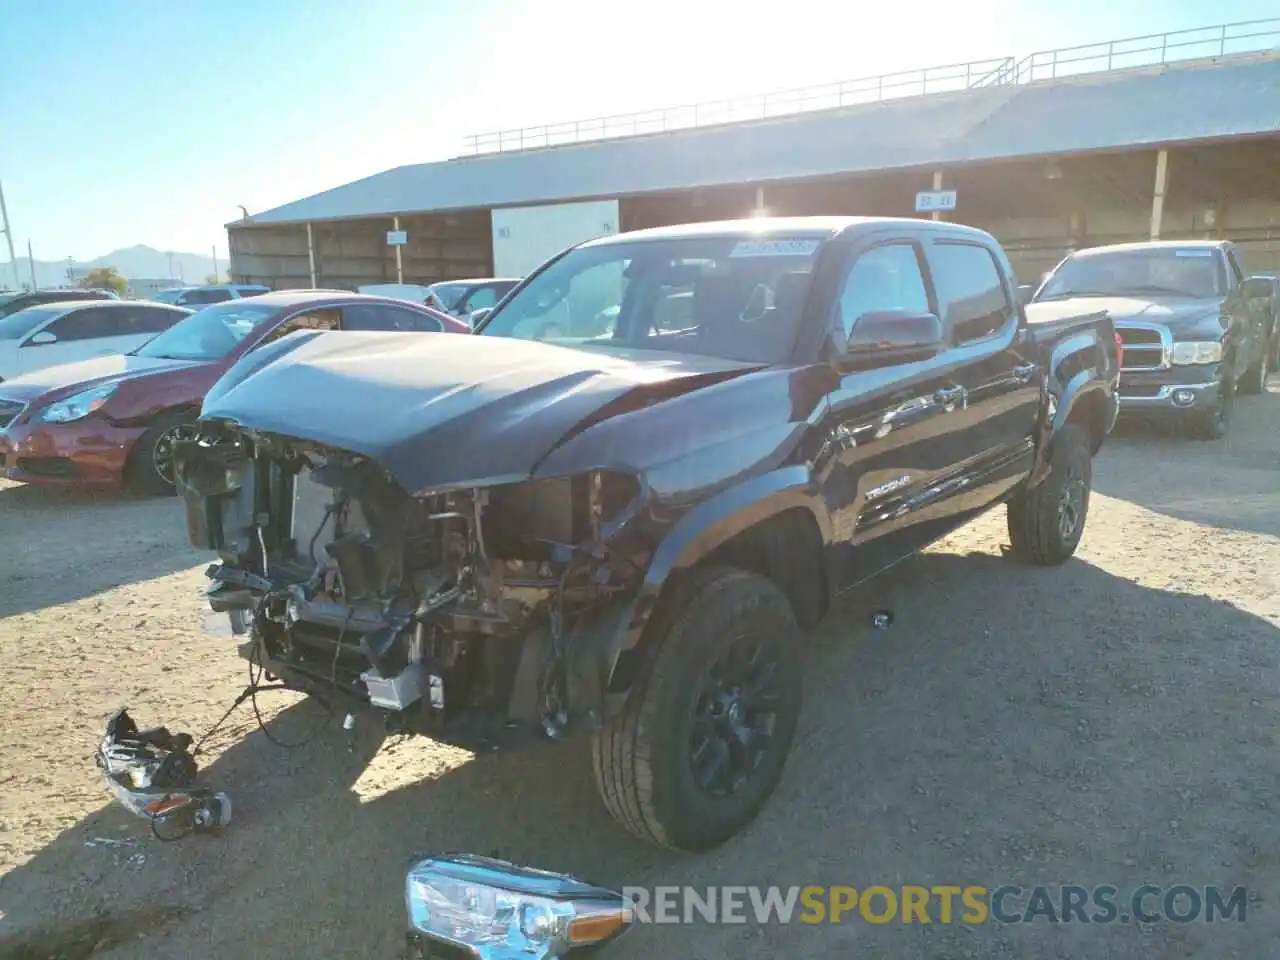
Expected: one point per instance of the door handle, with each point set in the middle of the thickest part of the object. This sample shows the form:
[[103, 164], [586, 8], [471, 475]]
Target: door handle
[[1024, 372], [949, 396]]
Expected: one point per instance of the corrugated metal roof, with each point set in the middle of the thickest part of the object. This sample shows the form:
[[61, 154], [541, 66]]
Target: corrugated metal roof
[[1097, 112]]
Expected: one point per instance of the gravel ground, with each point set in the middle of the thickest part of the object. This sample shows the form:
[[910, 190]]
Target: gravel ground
[[1109, 722]]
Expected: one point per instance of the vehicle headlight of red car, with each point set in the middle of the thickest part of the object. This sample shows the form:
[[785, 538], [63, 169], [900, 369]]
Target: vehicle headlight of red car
[[77, 406]]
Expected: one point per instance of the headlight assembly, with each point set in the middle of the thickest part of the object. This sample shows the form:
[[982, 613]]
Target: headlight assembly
[[77, 406], [495, 910], [1197, 351]]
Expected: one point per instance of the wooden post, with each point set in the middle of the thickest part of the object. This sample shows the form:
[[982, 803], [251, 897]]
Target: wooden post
[[1157, 199], [937, 185]]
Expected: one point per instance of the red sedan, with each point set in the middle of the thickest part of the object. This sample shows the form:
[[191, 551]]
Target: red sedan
[[111, 421]]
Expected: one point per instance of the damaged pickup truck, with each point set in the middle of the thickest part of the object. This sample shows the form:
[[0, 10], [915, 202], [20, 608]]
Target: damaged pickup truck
[[625, 526]]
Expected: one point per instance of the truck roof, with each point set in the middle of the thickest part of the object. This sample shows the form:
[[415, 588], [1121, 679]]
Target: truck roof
[[808, 227], [1152, 245]]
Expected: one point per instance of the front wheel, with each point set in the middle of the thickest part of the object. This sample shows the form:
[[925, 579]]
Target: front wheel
[[1215, 423], [151, 461], [1255, 378], [704, 736], [1047, 521]]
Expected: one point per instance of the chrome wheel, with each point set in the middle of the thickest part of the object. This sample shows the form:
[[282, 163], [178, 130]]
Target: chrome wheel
[[734, 716], [162, 449], [1071, 500]]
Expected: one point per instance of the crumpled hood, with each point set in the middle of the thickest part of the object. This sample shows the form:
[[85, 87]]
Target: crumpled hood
[[52, 383], [442, 411], [1179, 314]]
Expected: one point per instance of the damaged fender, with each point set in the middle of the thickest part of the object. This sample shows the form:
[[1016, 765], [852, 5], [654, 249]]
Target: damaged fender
[[1082, 376], [602, 654]]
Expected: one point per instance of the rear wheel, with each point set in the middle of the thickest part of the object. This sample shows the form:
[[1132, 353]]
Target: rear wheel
[[703, 739], [1047, 520], [151, 462]]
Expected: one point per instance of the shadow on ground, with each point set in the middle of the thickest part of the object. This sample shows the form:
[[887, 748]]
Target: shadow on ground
[[70, 545], [1014, 725], [1232, 483]]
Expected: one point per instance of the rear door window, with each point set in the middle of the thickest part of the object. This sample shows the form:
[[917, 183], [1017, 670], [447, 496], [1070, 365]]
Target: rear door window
[[91, 323], [369, 316], [971, 292], [323, 319], [150, 320]]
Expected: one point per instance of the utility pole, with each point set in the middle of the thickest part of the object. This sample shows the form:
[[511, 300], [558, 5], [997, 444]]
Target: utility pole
[[8, 235], [215, 263], [31, 262]]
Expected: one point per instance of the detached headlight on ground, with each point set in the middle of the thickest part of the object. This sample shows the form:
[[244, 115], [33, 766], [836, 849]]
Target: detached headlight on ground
[[494, 910], [1197, 351], [77, 406]]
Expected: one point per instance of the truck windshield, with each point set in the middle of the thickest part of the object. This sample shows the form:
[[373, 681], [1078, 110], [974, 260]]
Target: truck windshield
[[738, 298], [209, 334], [1159, 271]]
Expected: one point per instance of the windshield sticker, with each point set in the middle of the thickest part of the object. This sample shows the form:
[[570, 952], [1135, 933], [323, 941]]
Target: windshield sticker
[[774, 248], [1193, 253]]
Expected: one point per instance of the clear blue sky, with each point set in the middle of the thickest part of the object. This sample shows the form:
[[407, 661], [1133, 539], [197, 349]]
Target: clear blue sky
[[148, 121]]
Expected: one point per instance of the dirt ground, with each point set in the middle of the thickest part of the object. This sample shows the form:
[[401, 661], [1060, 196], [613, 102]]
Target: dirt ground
[[1109, 722]]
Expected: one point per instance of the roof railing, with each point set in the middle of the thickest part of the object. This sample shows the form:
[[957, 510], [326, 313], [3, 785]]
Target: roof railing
[[1249, 36], [1153, 50]]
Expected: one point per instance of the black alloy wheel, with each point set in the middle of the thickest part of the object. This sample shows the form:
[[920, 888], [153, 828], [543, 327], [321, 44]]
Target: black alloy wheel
[[735, 715]]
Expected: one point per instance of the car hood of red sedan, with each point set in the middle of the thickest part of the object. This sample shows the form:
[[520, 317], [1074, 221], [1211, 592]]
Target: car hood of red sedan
[[69, 378]]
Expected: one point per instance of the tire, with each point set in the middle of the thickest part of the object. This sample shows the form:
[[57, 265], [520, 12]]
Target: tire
[[1047, 520], [1214, 424], [146, 473], [1255, 379], [645, 757]]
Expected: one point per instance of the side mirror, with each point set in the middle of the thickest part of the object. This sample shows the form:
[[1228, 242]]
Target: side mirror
[[44, 336], [886, 337], [1256, 288], [1025, 292], [475, 316]]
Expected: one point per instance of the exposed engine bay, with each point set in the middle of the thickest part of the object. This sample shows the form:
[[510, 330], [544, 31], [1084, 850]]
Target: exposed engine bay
[[461, 613]]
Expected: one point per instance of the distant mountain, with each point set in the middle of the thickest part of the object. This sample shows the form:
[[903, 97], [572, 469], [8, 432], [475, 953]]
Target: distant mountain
[[136, 261]]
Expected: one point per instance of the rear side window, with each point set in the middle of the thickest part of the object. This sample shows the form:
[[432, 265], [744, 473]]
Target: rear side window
[[366, 316], [148, 320], [324, 319], [971, 294], [205, 296], [89, 324], [251, 291]]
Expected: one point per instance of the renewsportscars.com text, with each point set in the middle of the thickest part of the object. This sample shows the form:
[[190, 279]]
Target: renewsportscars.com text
[[877, 904]]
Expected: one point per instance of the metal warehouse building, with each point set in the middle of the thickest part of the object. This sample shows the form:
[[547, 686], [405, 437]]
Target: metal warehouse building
[[1168, 136]]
